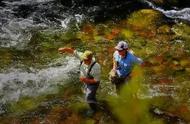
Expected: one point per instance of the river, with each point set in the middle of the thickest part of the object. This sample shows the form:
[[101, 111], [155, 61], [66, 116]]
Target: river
[[19, 18]]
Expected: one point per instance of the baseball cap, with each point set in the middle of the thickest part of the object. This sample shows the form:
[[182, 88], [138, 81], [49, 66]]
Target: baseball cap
[[121, 45], [86, 54]]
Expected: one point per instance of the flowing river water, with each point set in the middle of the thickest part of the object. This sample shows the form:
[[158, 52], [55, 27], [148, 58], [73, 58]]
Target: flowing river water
[[183, 13], [18, 18]]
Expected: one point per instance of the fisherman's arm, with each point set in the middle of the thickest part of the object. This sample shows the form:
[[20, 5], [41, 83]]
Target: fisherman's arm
[[114, 68], [88, 80], [66, 50], [95, 73], [137, 60], [141, 62], [71, 51], [115, 61], [114, 65]]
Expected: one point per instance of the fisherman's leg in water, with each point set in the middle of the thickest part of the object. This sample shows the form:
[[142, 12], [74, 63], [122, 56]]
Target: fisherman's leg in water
[[91, 98]]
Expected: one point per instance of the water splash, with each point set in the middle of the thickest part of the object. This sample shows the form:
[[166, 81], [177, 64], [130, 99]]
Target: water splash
[[75, 20], [18, 19], [16, 82], [21, 2], [15, 30], [183, 14]]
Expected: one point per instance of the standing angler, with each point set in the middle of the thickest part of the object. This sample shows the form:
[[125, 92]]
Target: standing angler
[[90, 72], [123, 62]]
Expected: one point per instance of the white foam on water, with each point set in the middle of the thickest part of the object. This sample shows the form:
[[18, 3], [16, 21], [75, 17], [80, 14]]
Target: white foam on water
[[21, 2], [72, 20], [181, 14], [17, 83], [16, 31], [176, 14]]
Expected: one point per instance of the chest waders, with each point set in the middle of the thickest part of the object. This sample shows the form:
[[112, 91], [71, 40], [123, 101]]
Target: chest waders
[[90, 94], [89, 70]]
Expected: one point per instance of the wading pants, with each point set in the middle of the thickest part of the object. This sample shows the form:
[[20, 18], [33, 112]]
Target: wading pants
[[90, 95], [119, 82]]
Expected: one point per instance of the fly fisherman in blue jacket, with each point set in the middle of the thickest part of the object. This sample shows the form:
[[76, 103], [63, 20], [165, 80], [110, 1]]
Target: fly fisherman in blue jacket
[[123, 63], [90, 72]]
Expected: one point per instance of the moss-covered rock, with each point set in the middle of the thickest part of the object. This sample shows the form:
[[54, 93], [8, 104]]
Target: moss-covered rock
[[145, 22]]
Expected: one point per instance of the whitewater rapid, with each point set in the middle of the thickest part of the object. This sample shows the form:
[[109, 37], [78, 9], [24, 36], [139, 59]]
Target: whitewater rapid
[[183, 14], [18, 19], [16, 83]]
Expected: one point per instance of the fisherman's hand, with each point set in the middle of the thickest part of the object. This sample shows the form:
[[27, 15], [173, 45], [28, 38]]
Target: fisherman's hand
[[112, 73], [65, 50], [87, 80], [82, 79]]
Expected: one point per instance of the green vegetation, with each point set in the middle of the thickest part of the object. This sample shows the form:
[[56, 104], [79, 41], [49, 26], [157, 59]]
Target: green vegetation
[[128, 107]]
